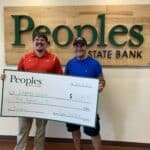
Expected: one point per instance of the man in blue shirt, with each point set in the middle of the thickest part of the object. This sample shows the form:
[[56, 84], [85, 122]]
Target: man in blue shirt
[[85, 66]]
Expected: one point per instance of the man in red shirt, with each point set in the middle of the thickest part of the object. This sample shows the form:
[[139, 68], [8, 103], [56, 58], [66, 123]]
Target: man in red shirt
[[40, 60]]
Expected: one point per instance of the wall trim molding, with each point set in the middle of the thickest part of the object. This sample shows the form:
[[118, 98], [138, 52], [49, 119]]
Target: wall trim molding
[[67, 140]]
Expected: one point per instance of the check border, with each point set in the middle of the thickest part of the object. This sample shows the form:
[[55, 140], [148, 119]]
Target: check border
[[3, 85]]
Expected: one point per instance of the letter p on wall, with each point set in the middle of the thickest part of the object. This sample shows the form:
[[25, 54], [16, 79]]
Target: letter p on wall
[[18, 19]]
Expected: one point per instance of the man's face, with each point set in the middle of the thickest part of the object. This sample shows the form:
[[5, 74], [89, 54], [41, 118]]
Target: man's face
[[80, 50], [39, 44]]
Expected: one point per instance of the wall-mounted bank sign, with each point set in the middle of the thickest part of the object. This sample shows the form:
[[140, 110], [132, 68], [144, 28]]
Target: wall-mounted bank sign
[[116, 35]]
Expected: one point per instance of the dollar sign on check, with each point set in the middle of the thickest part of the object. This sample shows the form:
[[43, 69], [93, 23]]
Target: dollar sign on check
[[70, 95]]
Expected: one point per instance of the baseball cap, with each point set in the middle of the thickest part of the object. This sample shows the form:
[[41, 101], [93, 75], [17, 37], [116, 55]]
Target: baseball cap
[[79, 40]]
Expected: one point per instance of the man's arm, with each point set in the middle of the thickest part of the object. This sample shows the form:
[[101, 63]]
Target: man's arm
[[20, 65], [102, 83], [58, 66]]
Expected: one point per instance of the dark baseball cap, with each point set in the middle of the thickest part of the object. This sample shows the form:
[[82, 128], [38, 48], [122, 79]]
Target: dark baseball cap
[[80, 40]]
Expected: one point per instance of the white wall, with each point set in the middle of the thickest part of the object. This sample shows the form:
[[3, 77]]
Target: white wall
[[124, 103]]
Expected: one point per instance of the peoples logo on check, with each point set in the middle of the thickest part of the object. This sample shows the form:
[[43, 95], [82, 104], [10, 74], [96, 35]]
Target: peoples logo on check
[[27, 81]]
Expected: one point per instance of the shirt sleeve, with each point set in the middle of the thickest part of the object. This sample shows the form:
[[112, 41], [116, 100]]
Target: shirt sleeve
[[67, 69], [21, 65], [99, 71], [58, 66]]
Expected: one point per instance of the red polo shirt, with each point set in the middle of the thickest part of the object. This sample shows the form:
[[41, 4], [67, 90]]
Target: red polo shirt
[[48, 63]]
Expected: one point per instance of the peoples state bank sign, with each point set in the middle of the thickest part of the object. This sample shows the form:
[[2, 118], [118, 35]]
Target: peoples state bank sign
[[116, 35]]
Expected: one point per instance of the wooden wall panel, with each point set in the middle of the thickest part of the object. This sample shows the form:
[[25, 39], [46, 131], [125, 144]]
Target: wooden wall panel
[[127, 15]]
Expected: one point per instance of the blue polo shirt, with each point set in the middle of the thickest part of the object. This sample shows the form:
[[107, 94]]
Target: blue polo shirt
[[87, 67]]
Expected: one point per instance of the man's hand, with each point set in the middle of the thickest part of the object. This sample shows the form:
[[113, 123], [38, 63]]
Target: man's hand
[[101, 84], [2, 77]]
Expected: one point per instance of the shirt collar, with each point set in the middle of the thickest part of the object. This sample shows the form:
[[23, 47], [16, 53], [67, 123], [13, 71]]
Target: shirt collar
[[35, 55], [83, 60]]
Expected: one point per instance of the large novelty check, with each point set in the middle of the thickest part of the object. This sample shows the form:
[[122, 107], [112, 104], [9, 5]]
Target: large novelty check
[[53, 97]]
